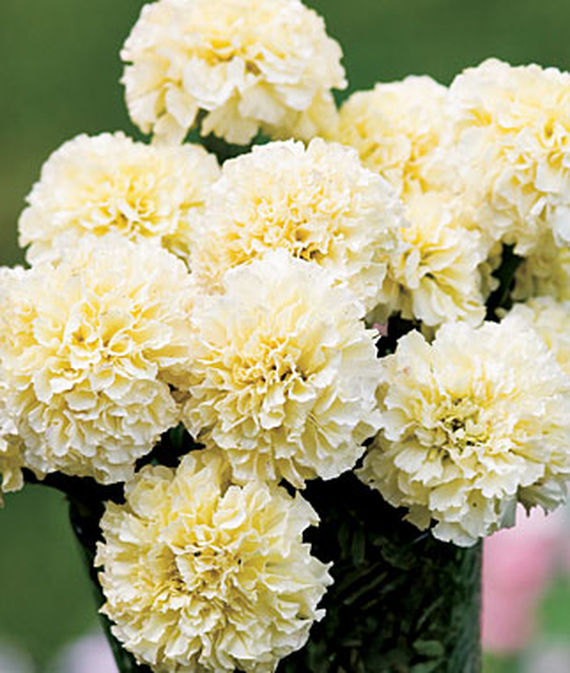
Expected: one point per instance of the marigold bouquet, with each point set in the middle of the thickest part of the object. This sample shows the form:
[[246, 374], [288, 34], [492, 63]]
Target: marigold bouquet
[[290, 363]]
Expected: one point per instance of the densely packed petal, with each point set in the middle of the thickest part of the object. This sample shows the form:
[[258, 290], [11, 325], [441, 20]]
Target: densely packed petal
[[284, 372], [395, 128], [511, 130], [551, 319], [92, 186], [436, 276], [11, 446], [472, 424], [318, 203], [11, 451], [88, 348], [246, 64], [204, 576]]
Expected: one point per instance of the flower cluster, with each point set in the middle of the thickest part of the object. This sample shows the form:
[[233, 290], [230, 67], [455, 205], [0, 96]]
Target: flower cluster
[[203, 575], [472, 424], [434, 273], [248, 65], [479, 166], [92, 186], [213, 323]]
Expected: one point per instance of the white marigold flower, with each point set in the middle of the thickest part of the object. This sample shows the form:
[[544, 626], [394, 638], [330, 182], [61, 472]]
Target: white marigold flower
[[318, 202], [88, 349], [284, 373], [11, 451], [472, 424], [436, 275], [11, 446], [203, 575], [247, 64], [545, 272], [551, 319], [395, 128], [92, 186], [511, 129]]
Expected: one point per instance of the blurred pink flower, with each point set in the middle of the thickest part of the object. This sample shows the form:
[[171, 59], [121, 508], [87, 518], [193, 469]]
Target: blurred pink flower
[[517, 565]]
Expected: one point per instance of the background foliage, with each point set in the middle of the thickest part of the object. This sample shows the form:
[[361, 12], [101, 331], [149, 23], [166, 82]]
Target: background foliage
[[59, 76]]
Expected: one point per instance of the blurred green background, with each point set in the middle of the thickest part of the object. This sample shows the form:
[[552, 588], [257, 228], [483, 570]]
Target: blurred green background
[[59, 76]]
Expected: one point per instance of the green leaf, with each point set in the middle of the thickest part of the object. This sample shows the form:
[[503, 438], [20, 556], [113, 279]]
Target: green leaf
[[429, 648]]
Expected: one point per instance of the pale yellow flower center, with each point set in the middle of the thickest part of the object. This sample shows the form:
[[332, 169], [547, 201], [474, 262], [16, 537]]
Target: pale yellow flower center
[[291, 224], [269, 361], [203, 570], [460, 426]]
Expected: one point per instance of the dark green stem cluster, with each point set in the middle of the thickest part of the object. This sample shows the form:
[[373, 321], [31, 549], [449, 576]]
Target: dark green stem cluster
[[402, 602]]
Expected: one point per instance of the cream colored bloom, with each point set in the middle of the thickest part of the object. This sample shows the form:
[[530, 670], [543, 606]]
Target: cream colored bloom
[[11, 446], [200, 575], [511, 128], [436, 276], [88, 348], [551, 319], [318, 203], [395, 128], [284, 373], [92, 186], [11, 451], [472, 424], [248, 64], [545, 272]]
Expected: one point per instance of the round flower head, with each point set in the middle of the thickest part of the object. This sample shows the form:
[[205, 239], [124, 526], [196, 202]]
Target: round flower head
[[247, 64], [551, 319], [92, 186], [435, 278], [545, 272], [395, 128], [284, 373], [318, 203], [200, 575], [511, 128], [472, 423], [88, 348]]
